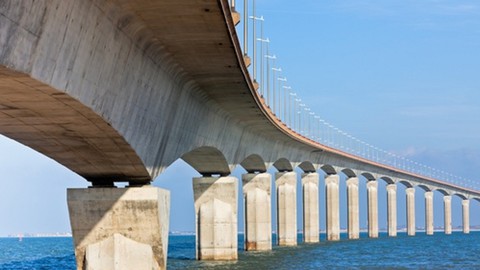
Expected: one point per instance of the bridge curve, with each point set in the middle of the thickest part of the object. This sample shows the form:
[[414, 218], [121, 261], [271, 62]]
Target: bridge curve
[[145, 77]]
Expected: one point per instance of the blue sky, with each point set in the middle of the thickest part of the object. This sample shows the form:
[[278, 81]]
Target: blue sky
[[400, 74]]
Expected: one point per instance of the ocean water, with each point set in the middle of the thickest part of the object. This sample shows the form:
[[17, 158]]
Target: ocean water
[[456, 251]]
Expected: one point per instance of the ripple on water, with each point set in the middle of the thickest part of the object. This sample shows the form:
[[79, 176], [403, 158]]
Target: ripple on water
[[456, 251]]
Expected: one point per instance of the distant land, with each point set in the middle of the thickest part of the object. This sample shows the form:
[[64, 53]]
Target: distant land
[[343, 230]]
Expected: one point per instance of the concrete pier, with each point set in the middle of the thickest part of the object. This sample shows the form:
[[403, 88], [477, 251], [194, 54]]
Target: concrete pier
[[372, 197], [429, 213], [332, 207], [311, 228], [352, 208], [116, 228], [410, 211], [258, 213], [447, 207], [286, 184], [392, 209], [466, 216], [216, 217]]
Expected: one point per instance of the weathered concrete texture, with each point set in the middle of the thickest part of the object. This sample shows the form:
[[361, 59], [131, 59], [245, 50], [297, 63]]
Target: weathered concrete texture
[[392, 209], [372, 207], [216, 217], [353, 208], [332, 207], [119, 253], [258, 212], [429, 212], [286, 184], [466, 216], [311, 228], [447, 207], [410, 192], [138, 73], [139, 214]]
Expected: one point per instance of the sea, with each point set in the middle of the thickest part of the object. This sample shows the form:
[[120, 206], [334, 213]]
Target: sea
[[456, 251]]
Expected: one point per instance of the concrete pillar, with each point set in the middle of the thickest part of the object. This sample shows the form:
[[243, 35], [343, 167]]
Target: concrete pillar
[[429, 212], [410, 211], [372, 197], [466, 216], [216, 217], [286, 183], [332, 207], [311, 228], [392, 209], [447, 207], [352, 208], [258, 212], [117, 228]]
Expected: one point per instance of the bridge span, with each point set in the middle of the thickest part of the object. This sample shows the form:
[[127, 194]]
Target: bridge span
[[118, 90]]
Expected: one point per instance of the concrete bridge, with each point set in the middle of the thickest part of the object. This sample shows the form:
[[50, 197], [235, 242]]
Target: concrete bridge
[[118, 90]]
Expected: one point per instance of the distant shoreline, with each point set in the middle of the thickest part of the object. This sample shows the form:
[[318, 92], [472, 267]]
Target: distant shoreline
[[187, 233]]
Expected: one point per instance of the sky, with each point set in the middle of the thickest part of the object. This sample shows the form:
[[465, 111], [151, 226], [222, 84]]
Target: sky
[[402, 75]]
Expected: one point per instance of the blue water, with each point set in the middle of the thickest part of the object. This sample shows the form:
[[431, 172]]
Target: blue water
[[456, 251]]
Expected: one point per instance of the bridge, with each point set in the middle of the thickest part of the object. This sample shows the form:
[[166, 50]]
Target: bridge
[[118, 90]]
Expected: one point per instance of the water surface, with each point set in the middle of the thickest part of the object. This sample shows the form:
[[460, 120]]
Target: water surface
[[456, 251]]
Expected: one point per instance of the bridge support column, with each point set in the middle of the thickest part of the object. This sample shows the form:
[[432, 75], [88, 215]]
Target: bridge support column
[[352, 205], [258, 212], [429, 212], [410, 211], [311, 229], [216, 217], [286, 183], [466, 216], [392, 209], [332, 207], [372, 196], [120, 228], [447, 207]]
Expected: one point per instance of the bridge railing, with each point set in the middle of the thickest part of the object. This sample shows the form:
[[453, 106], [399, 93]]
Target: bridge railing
[[283, 101]]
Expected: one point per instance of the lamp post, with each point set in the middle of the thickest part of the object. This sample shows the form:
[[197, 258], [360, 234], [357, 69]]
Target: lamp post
[[262, 69], [255, 39], [269, 58], [273, 86], [290, 108], [300, 118], [286, 109], [245, 30], [280, 81]]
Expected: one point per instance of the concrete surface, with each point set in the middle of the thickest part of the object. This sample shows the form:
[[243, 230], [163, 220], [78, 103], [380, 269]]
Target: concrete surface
[[139, 214], [258, 211], [216, 217]]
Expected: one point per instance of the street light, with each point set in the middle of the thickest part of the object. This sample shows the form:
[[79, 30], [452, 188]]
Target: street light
[[262, 70], [287, 108], [255, 19], [291, 107], [280, 79], [273, 86]]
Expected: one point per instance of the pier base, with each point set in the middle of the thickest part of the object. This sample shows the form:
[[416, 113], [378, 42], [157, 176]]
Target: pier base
[[311, 229], [466, 216], [372, 196], [216, 217], [429, 213], [332, 207], [286, 183], [353, 224], [258, 211], [108, 223], [410, 211], [447, 208], [392, 209]]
